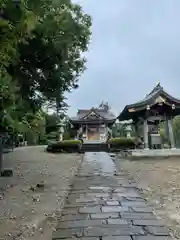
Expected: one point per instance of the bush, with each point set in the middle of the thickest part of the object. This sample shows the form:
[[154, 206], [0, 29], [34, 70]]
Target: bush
[[52, 135], [64, 146], [121, 143]]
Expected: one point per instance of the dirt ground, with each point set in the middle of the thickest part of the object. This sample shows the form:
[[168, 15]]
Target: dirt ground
[[160, 184], [30, 212]]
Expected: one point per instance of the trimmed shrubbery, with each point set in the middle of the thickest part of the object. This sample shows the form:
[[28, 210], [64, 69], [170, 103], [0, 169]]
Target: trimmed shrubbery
[[121, 143], [66, 146]]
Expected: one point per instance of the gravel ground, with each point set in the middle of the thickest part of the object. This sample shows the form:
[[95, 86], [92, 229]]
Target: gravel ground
[[30, 212], [160, 183]]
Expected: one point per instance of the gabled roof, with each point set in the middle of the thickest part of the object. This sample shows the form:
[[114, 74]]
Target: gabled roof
[[87, 114], [150, 99], [83, 113]]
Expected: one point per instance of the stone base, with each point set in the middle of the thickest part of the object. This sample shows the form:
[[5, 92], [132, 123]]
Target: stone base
[[156, 152]]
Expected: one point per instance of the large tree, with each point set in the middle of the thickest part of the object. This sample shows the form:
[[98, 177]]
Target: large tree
[[51, 61], [40, 52], [41, 46]]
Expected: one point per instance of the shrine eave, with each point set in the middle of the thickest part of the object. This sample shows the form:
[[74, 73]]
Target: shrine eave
[[86, 121], [134, 110]]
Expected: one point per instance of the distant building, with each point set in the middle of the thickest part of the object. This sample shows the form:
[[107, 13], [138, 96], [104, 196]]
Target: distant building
[[94, 123]]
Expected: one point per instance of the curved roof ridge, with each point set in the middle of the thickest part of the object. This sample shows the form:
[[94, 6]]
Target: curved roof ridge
[[156, 89]]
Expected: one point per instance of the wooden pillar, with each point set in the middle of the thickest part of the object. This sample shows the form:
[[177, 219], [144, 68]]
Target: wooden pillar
[[171, 134], [146, 142], [105, 132], [86, 132]]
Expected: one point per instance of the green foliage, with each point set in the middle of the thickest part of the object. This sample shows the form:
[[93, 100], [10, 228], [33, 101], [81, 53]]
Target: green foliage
[[32, 127], [122, 143], [176, 130], [51, 123], [52, 135], [16, 23], [64, 146], [69, 142], [41, 46], [50, 61], [119, 130], [67, 135], [162, 135]]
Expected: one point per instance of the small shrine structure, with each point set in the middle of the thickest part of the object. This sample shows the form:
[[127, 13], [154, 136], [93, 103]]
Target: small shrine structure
[[158, 107], [93, 123]]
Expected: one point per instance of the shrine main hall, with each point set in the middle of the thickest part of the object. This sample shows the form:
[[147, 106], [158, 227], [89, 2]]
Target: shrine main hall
[[94, 123]]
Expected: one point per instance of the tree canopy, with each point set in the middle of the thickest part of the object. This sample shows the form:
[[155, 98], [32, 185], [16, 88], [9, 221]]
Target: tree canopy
[[41, 48]]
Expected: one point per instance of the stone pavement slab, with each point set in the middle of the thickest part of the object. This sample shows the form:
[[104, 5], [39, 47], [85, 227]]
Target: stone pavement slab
[[104, 204]]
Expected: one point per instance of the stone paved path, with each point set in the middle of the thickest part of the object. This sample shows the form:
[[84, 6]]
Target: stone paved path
[[105, 205]]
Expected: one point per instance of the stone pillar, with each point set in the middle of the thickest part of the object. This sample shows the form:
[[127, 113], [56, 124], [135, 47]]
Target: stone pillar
[[80, 132], [60, 131], [171, 135], [128, 131], [146, 142]]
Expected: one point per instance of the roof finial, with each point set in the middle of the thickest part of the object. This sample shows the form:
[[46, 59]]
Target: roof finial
[[158, 83]]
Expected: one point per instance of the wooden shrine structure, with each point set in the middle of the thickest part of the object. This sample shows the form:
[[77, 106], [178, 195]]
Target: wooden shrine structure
[[94, 123], [158, 107]]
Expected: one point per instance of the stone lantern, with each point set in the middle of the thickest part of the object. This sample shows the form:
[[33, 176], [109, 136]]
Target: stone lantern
[[128, 131], [79, 132]]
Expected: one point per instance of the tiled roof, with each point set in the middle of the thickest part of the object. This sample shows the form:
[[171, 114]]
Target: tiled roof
[[148, 100], [82, 113]]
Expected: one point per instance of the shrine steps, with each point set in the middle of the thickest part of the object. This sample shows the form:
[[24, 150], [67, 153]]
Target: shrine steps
[[94, 147]]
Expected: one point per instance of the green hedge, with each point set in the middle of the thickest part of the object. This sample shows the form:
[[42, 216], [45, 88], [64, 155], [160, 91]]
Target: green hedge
[[64, 146], [122, 143]]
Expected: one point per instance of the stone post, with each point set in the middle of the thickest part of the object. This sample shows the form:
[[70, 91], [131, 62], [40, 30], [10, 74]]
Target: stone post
[[146, 142], [61, 132], [80, 132], [60, 125], [171, 135]]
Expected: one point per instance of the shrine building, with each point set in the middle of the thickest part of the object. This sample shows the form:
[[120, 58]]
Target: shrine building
[[157, 109], [94, 123]]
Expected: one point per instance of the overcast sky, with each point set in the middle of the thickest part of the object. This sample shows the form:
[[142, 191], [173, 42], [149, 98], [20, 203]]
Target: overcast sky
[[135, 44]]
